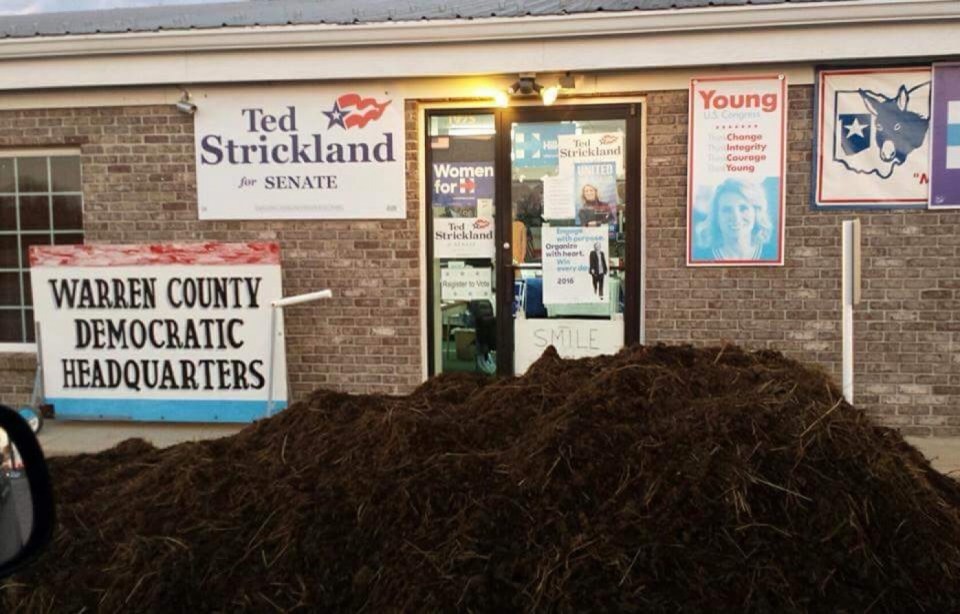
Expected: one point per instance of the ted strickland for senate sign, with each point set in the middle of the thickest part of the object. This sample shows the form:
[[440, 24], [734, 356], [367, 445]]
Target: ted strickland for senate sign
[[299, 153]]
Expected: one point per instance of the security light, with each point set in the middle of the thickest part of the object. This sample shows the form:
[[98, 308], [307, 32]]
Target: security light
[[185, 105], [526, 85]]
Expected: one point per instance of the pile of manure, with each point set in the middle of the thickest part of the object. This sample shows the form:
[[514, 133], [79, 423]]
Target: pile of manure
[[659, 479]]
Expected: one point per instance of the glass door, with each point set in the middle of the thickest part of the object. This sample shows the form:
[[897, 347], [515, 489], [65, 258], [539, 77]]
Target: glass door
[[571, 196], [461, 154], [530, 240]]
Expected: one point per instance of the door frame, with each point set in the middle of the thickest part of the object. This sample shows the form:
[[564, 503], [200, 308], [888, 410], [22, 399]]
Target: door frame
[[631, 109]]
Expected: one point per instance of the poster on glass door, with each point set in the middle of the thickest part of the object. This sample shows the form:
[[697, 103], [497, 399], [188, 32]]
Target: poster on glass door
[[736, 171], [595, 194], [468, 237], [580, 148], [585, 189], [466, 283], [575, 264], [460, 186]]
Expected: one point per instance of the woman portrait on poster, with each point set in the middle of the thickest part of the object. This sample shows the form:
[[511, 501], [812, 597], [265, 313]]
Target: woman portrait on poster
[[593, 211], [738, 225]]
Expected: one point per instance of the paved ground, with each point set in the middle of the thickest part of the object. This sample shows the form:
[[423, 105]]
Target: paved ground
[[944, 452], [60, 438]]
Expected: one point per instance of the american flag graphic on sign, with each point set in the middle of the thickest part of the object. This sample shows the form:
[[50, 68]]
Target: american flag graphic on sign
[[353, 110]]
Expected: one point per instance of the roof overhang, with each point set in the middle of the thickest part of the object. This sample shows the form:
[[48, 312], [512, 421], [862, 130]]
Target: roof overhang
[[751, 34]]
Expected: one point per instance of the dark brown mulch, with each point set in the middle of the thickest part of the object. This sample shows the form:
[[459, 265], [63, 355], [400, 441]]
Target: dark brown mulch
[[660, 479]]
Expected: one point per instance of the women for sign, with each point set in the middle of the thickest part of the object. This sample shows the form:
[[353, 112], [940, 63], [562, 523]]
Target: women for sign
[[735, 188]]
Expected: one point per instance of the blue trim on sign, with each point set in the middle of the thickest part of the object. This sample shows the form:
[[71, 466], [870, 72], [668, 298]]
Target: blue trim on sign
[[953, 135], [162, 410]]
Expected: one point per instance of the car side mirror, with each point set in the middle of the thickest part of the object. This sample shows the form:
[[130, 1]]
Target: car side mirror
[[26, 498]]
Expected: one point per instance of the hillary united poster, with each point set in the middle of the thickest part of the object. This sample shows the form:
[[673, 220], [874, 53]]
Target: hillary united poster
[[872, 137]]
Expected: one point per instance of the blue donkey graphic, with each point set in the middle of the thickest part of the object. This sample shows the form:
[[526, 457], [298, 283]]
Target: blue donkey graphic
[[876, 133]]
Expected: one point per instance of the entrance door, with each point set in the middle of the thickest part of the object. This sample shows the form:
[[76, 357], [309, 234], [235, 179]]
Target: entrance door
[[530, 236], [573, 207]]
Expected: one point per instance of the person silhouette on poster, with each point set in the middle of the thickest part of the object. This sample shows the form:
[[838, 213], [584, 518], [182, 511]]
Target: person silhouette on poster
[[598, 268], [738, 226], [593, 211]]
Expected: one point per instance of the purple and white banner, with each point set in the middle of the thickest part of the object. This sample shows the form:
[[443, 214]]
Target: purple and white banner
[[945, 126]]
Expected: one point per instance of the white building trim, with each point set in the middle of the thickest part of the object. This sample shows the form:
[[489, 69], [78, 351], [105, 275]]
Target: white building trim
[[716, 36]]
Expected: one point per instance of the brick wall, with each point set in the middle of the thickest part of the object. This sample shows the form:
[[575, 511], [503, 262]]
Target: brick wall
[[16, 379], [139, 186], [907, 328]]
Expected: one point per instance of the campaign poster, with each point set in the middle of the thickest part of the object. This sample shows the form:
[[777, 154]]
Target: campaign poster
[[575, 264], [299, 152], [576, 149], [945, 127], [172, 332], [595, 194], [735, 189], [872, 137], [535, 144], [467, 237], [461, 185]]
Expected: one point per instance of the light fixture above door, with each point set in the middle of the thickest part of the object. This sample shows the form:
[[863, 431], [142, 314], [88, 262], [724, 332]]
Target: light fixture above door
[[526, 85]]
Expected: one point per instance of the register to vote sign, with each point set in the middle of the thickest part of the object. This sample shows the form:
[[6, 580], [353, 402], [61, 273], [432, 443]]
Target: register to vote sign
[[176, 332]]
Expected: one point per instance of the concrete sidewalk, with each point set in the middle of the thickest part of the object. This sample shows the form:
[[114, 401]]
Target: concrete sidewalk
[[60, 438], [942, 452]]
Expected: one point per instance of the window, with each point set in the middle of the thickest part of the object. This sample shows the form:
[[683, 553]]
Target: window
[[461, 162], [41, 203]]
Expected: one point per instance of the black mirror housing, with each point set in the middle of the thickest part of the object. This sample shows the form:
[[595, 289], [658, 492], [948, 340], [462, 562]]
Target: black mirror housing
[[35, 472]]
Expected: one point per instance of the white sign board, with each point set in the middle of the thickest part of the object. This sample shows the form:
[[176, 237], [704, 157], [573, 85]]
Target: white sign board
[[557, 203], [466, 284], [463, 237], [318, 152], [872, 137], [581, 148], [575, 264], [571, 338], [176, 332]]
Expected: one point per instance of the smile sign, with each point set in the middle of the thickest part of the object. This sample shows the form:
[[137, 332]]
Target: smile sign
[[299, 153]]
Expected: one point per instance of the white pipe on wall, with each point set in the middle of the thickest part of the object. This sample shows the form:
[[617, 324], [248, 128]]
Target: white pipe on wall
[[851, 296]]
